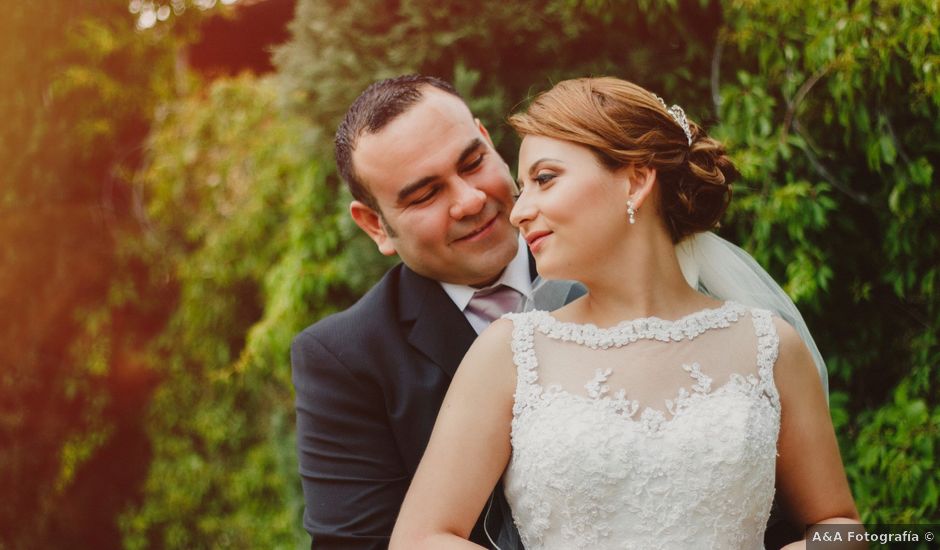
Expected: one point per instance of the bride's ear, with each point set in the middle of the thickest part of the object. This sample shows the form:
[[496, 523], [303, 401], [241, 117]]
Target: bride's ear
[[640, 181]]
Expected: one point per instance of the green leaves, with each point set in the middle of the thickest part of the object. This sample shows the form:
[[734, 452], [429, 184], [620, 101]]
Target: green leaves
[[895, 467], [248, 223], [837, 200], [77, 91]]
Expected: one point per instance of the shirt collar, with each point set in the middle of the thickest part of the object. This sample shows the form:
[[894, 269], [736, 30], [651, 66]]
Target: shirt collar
[[515, 276]]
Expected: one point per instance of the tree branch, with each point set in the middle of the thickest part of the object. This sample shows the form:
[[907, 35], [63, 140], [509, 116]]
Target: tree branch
[[798, 98], [822, 170], [716, 76]]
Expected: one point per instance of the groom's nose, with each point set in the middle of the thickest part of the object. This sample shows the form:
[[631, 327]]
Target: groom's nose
[[468, 199]]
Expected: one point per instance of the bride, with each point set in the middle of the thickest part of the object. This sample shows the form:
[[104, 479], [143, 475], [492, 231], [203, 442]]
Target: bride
[[645, 414]]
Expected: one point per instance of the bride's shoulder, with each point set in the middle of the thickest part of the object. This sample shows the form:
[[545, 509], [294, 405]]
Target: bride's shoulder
[[511, 322], [794, 371], [790, 344], [494, 342], [489, 360], [501, 329]]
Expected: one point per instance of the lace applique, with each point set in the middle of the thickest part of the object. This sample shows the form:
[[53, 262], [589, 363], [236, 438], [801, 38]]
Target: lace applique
[[649, 328], [622, 406], [703, 381], [588, 472], [768, 348], [596, 388], [702, 386], [523, 355]]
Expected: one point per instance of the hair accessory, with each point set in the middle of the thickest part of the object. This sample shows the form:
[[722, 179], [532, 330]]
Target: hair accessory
[[631, 212], [678, 115]]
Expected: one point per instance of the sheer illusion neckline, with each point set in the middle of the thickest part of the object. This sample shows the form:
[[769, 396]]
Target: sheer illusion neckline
[[686, 327]]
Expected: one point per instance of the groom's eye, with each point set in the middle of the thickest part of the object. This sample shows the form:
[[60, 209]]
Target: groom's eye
[[474, 164], [426, 196]]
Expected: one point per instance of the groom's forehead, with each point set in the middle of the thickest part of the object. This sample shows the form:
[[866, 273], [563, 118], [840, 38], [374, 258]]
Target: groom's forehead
[[420, 143], [434, 114]]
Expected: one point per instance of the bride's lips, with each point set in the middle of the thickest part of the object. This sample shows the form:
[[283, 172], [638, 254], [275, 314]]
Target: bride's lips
[[536, 238], [479, 233]]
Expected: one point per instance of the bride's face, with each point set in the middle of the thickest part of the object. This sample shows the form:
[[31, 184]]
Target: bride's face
[[571, 208]]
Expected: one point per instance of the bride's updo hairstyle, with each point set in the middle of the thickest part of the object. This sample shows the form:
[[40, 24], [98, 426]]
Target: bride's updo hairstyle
[[624, 124]]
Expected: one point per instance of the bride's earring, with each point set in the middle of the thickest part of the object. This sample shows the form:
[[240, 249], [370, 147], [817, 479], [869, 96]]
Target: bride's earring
[[631, 212]]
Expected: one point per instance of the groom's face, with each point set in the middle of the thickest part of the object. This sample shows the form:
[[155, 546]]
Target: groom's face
[[443, 192]]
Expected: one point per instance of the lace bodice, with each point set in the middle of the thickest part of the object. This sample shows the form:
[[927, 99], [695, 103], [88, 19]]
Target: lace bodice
[[650, 434]]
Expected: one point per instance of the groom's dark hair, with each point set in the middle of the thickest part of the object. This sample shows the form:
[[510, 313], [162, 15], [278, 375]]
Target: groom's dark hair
[[374, 109]]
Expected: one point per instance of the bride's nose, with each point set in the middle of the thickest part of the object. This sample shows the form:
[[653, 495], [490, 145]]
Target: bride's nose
[[523, 211]]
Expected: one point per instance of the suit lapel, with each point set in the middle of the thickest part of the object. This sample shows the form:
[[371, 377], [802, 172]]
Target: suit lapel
[[438, 329]]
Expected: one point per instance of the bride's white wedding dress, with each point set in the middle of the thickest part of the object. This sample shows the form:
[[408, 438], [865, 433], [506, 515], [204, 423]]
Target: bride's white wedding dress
[[650, 434]]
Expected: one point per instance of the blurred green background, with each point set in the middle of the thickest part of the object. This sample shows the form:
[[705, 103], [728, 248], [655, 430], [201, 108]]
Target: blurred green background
[[170, 216]]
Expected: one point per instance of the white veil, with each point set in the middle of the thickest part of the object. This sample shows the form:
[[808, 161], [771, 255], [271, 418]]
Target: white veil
[[726, 272]]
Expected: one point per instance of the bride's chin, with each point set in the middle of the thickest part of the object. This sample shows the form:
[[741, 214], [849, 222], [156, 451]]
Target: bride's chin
[[552, 271]]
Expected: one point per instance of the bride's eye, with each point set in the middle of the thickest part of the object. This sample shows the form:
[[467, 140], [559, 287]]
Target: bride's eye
[[543, 177]]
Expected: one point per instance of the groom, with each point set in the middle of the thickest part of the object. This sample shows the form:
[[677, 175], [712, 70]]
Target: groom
[[429, 186]]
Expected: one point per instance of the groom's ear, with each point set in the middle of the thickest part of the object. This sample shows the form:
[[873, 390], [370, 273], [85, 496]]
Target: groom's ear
[[486, 134], [640, 181], [372, 223]]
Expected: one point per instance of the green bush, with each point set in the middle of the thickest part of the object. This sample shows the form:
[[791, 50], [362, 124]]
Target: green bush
[[242, 221], [831, 110], [77, 89]]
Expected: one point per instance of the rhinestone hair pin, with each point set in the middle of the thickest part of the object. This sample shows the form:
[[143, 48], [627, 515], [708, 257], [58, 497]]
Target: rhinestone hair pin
[[678, 115]]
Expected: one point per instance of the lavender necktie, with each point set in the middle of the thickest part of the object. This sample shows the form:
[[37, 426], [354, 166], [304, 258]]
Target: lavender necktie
[[491, 303]]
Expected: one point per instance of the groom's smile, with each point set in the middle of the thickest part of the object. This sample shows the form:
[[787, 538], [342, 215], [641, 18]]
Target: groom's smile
[[481, 230]]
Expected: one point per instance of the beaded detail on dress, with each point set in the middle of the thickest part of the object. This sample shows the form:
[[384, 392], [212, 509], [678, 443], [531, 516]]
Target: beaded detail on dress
[[649, 434]]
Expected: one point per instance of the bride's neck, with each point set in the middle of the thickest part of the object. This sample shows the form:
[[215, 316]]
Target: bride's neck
[[644, 281]]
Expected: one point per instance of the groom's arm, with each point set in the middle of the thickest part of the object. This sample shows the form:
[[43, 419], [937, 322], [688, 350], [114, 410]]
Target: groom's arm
[[353, 481]]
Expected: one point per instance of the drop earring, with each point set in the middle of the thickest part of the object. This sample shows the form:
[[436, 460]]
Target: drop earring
[[631, 212]]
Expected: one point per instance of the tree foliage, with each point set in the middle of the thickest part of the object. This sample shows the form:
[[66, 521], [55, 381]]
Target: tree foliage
[[833, 113], [76, 90], [497, 53], [241, 220]]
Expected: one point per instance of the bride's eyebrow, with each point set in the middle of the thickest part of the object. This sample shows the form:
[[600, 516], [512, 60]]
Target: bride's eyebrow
[[537, 164], [532, 169]]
